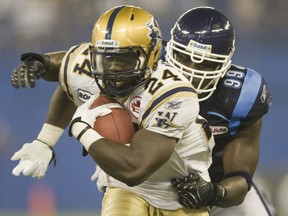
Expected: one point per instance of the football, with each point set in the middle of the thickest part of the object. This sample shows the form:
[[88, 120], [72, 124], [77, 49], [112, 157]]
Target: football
[[116, 126]]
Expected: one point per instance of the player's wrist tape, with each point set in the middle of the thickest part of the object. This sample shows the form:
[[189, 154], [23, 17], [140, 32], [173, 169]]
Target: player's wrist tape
[[243, 174], [50, 134], [85, 134]]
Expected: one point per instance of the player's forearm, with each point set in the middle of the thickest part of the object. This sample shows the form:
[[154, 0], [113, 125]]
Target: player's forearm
[[237, 189], [54, 60], [61, 109]]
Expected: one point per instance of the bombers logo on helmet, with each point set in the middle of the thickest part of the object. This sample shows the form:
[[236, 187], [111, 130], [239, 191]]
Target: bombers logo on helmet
[[154, 32]]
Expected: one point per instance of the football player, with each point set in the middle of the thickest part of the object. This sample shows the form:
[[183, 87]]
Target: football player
[[233, 99], [172, 140]]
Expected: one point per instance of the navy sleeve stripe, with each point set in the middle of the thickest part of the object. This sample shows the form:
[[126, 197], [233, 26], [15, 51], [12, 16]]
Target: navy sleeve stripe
[[164, 96]]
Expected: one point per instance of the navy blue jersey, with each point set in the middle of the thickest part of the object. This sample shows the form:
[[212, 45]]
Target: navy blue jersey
[[241, 98]]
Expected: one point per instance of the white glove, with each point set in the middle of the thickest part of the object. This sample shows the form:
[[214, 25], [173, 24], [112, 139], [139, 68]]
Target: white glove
[[83, 121], [34, 159]]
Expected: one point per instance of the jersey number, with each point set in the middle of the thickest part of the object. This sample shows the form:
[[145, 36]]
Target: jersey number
[[155, 84], [235, 79]]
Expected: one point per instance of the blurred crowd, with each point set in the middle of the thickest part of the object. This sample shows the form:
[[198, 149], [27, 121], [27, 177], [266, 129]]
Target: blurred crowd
[[33, 23]]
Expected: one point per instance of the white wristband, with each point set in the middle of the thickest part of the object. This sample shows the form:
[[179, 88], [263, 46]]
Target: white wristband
[[89, 137], [50, 134]]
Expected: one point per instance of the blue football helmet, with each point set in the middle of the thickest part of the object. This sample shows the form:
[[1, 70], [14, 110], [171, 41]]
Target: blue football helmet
[[201, 47]]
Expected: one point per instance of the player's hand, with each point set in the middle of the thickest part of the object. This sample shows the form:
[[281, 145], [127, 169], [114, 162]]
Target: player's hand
[[86, 117], [34, 159], [83, 121], [195, 192], [33, 67]]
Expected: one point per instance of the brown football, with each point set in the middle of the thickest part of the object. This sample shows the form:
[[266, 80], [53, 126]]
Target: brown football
[[117, 125]]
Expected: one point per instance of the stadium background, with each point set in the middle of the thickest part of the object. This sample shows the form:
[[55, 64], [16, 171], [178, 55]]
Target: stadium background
[[44, 26]]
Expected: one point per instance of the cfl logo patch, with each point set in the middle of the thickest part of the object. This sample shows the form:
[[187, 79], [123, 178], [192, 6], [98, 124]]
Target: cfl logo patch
[[165, 119], [83, 95]]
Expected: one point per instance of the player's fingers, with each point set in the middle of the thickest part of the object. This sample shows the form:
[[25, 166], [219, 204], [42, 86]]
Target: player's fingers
[[17, 170], [100, 111], [30, 168], [14, 79], [176, 182], [185, 201], [30, 78], [35, 173], [192, 177], [21, 154], [17, 156], [21, 76], [42, 170], [41, 174]]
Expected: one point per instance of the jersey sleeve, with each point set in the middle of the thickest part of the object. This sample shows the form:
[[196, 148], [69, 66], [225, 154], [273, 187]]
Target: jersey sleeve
[[63, 71], [254, 101], [172, 112]]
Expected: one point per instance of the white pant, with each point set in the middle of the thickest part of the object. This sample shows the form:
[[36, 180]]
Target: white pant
[[253, 205]]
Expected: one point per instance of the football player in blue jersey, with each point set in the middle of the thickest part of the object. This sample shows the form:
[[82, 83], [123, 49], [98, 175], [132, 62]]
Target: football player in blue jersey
[[233, 99]]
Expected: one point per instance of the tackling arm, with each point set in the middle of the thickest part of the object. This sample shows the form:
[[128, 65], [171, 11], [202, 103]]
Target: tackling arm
[[54, 64], [35, 66], [240, 160], [240, 155], [61, 109]]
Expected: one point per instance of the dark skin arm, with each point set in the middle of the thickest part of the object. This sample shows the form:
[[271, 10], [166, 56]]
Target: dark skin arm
[[61, 109], [133, 164], [55, 59], [241, 154]]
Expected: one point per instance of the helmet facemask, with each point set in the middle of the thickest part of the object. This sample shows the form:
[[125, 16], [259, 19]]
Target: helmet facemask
[[211, 67], [118, 71]]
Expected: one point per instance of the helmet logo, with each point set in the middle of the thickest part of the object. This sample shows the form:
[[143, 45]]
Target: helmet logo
[[107, 43], [154, 32], [200, 47]]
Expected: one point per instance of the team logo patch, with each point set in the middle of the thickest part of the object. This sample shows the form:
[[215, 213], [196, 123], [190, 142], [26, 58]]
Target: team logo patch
[[134, 106], [83, 95], [165, 119], [173, 104], [217, 130]]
